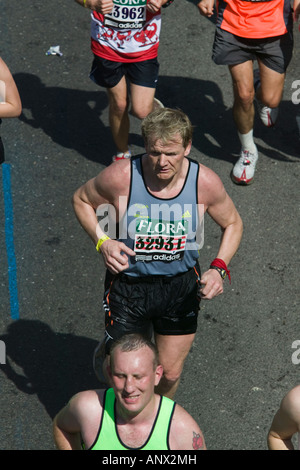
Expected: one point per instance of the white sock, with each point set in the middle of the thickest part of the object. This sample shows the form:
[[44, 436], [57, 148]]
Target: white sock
[[247, 141]]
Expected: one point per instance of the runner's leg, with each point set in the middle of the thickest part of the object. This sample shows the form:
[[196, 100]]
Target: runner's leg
[[173, 351], [271, 86], [118, 114], [141, 100], [243, 89]]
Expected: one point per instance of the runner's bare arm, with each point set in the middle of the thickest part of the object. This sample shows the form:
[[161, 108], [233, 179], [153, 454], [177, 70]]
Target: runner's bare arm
[[10, 105], [78, 421], [286, 422], [66, 427], [85, 202], [222, 210], [185, 434], [296, 8], [109, 187]]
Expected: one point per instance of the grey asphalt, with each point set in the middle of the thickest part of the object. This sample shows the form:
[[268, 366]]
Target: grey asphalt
[[241, 363]]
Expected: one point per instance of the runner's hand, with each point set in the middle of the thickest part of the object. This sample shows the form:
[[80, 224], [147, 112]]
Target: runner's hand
[[154, 5], [115, 255], [206, 7], [211, 285], [101, 6]]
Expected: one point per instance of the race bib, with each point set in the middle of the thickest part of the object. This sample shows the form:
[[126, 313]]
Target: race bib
[[127, 14], [157, 240]]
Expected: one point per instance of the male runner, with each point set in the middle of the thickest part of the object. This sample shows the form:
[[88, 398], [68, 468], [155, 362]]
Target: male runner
[[124, 41], [128, 416], [247, 31], [153, 278]]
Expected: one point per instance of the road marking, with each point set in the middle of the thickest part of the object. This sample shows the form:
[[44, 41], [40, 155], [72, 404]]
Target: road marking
[[9, 241]]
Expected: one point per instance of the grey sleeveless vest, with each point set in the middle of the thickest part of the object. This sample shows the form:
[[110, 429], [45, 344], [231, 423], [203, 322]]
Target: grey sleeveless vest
[[162, 232]]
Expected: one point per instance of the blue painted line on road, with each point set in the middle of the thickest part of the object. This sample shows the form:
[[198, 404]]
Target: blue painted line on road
[[9, 241]]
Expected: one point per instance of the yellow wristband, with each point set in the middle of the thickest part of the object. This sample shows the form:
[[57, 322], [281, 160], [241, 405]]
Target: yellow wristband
[[84, 4], [100, 241]]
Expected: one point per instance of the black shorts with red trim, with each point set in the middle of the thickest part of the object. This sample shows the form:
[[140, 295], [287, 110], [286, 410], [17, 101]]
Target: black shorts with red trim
[[163, 304]]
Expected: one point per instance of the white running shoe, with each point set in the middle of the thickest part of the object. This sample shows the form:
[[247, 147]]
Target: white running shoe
[[121, 156], [157, 104], [244, 169], [267, 115]]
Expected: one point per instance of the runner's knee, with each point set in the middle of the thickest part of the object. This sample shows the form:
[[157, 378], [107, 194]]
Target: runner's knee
[[169, 381], [141, 110], [119, 106], [244, 97], [272, 100], [171, 377]]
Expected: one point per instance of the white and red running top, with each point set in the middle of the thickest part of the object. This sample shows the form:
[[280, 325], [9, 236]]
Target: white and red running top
[[130, 33]]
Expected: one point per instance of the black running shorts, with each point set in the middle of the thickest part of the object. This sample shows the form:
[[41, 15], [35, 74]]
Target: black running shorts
[[275, 53], [107, 73], [165, 305]]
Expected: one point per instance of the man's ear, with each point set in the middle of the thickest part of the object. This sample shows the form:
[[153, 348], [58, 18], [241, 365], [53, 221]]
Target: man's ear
[[188, 149], [158, 374]]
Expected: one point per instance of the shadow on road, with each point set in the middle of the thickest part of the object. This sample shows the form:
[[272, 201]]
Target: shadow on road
[[51, 365], [72, 119]]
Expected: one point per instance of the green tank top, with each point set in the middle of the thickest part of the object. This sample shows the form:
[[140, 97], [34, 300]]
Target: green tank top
[[158, 439]]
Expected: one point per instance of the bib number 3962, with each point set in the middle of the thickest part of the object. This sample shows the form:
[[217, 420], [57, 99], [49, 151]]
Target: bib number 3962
[[127, 14]]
